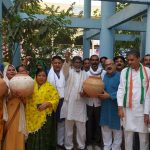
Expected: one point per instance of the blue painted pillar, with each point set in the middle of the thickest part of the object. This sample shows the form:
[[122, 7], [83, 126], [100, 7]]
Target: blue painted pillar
[[87, 8], [147, 48], [86, 42], [106, 35], [86, 45], [16, 55], [142, 44], [1, 52]]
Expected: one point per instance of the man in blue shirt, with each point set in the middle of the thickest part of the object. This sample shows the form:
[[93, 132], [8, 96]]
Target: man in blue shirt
[[109, 119]]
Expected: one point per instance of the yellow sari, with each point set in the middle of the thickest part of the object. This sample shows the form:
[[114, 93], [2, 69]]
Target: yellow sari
[[35, 119]]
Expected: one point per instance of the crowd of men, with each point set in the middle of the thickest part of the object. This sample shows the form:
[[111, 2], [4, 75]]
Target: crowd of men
[[107, 113], [114, 119]]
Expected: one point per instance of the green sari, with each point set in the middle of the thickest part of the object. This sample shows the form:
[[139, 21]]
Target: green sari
[[44, 138]]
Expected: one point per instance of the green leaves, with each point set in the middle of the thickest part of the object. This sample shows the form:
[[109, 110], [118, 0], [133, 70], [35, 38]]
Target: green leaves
[[40, 37]]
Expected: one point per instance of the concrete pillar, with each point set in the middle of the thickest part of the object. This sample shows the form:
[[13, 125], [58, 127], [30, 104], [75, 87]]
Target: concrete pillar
[[1, 52], [86, 42], [16, 55], [87, 8], [86, 45], [147, 48], [106, 35], [142, 44]]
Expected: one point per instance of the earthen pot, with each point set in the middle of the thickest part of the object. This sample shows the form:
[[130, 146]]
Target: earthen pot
[[3, 88], [93, 86], [22, 84]]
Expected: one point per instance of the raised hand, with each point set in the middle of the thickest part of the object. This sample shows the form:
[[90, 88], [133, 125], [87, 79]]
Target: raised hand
[[67, 56]]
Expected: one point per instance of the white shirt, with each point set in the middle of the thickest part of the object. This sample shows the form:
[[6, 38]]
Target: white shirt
[[58, 83]]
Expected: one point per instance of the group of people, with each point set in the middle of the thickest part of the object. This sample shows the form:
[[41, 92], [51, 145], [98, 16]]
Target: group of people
[[59, 109], [26, 120]]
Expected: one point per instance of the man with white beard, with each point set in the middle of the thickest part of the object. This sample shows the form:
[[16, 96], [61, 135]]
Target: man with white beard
[[74, 106]]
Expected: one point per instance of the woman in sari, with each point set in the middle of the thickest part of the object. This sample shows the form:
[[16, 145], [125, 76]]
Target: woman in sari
[[3, 92], [1, 113], [14, 115], [40, 119]]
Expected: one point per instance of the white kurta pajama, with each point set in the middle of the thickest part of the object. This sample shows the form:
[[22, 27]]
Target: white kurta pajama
[[74, 109], [134, 117]]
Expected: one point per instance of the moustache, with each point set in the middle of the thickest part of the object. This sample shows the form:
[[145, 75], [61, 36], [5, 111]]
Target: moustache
[[119, 65], [109, 68], [94, 64]]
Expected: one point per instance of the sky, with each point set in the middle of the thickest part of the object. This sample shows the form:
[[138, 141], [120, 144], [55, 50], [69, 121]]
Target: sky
[[64, 1], [80, 2]]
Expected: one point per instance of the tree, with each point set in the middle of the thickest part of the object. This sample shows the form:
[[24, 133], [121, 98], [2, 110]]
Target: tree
[[38, 37]]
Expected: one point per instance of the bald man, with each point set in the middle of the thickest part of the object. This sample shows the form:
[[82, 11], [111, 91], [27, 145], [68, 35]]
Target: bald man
[[109, 119]]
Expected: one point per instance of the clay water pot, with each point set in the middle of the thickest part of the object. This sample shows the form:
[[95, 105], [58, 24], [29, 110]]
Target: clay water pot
[[3, 88], [22, 84], [93, 86]]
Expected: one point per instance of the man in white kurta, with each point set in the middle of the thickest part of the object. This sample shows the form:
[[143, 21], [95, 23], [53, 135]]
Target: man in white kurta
[[131, 108], [74, 106], [57, 79]]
